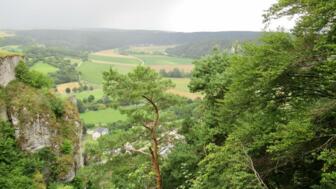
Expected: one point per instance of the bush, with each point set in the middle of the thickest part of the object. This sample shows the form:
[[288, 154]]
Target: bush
[[16, 168], [68, 90], [80, 106], [32, 78], [66, 147], [57, 106], [91, 98]]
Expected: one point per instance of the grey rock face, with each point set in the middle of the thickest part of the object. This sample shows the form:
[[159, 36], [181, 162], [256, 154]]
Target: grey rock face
[[7, 69], [33, 135], [79, 160], [36, 126], [70, 176]]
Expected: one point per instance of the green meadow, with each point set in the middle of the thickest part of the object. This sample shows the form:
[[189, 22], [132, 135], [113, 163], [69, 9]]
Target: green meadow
[[116, 59], [44, 68], [92, 70], [102, 116], [162, 59], [97, 93]]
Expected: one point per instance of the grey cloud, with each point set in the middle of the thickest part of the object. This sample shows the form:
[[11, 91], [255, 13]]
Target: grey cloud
[[31, 14]]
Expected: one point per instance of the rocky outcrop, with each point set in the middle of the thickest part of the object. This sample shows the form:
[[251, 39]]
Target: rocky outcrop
[[7, 68], [7, 74], [33, 134], [41, 121]]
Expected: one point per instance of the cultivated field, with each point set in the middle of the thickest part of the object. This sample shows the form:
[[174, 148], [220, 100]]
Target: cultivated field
[[5, 34], [91, 72], [163, 59], [62, 87], [99, 62], [170, 67], [181, 88], [149, 49]]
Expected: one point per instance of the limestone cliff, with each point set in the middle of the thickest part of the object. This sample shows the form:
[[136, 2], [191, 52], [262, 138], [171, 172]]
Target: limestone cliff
[[8, 62], [41, 121], [7, 68]]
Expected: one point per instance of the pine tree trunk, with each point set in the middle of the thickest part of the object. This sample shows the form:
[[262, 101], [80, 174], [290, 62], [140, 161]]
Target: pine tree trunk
[[154, 149], [155, 160]]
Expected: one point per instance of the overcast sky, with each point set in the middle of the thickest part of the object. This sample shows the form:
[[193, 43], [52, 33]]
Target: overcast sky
[[169, 15]]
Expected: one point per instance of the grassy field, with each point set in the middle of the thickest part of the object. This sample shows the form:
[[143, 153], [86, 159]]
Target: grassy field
[[163, 59], [181, 88], [97, 93], [116, 59], [92, 71], [102, 116], [44, 68]]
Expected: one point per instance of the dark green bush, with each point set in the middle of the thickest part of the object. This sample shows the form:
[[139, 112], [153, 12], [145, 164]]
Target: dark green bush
[[15, 167], [32, 78], [57, 106], [66, 147]]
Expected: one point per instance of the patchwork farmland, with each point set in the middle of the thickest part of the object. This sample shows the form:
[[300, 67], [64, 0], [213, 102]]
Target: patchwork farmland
[[123, 61], [91, 71]]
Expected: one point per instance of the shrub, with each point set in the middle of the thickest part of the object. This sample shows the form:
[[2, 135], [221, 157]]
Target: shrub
[[57, 106], [68, 90], [80, 106], [91, 98], [32, 78], [15, 167], [66, 147]]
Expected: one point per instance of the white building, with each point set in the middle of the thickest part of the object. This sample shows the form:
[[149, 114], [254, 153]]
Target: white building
[[98, 132]]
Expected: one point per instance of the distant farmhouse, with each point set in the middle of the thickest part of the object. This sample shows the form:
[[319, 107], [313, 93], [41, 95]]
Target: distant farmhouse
[[97, 132]]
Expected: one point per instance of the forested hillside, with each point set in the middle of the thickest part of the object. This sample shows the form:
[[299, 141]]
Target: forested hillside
[[101, 39]]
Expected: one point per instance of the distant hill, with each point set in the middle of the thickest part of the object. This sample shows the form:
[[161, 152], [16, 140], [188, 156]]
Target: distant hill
[[100, 39], [198, 49]]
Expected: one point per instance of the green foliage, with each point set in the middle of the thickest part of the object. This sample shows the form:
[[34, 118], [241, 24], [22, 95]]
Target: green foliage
[[16, 169], [133, 87], [316, 17], [271, 106], [91, 98], [32, 78], [57, 106], [175, 73], [117, 174], [67, 147], [2, 96], [329, 170], [39, 181]]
